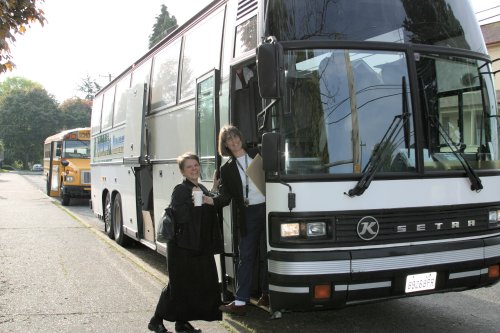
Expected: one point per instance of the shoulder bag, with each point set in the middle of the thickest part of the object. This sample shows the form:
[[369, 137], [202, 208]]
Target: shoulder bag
[[166, 229]]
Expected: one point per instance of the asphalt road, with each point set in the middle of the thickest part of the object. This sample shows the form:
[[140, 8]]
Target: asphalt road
[[469, 311]]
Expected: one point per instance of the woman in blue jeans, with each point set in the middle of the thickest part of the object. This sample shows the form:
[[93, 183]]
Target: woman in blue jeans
[[251, 215]]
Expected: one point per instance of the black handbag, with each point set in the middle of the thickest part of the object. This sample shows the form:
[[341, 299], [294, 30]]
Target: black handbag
[[166, 229]]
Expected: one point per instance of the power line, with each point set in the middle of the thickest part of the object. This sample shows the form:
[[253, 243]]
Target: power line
[[485, 10], [487, 18]]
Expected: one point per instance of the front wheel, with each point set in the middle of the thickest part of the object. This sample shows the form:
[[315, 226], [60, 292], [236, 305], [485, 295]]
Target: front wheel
[[117, 218], [65, 198]]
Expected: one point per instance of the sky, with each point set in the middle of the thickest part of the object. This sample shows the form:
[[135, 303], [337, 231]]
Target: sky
[[89, 37], [96, 38]]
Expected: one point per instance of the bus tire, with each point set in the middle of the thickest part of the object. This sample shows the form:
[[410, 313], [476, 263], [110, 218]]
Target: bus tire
[[65, 198], [108, 224], [117, 218]]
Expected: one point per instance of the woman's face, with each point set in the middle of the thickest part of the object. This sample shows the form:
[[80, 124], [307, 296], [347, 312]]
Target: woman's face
[[233, 143], [191, 170]]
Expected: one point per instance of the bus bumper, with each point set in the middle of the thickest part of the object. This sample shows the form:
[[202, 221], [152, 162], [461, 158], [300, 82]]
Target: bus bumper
[[333, 279], [76, 191]]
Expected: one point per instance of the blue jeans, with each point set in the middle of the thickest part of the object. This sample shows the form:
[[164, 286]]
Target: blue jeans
[[249, 246]]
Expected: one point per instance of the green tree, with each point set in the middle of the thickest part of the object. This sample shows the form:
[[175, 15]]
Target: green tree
[[163, 26], [15, 16], [89, 87], [27, 117], [75, 112], [17, 83]]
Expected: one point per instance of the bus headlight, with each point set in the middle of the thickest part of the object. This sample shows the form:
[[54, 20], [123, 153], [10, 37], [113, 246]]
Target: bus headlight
[[316, 229], [303, 229], [290, 230], [494, 216]]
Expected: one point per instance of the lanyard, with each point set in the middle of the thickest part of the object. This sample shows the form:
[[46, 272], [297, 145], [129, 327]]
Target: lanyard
[[246, 177]]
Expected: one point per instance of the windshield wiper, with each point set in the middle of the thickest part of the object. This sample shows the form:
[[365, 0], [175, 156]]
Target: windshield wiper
[[475, 181], [387, 141]]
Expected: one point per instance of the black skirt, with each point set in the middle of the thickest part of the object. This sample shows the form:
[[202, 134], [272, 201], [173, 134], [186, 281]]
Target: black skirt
[[193, 291]]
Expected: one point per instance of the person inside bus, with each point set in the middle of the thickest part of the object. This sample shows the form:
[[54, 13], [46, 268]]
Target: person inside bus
[[237, 186], [192, 292]]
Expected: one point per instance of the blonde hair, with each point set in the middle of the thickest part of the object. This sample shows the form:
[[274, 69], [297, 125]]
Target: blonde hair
[[226, 132], [181, 160]]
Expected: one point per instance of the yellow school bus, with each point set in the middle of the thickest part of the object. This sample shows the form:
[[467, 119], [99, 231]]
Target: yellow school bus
[[66, 164]]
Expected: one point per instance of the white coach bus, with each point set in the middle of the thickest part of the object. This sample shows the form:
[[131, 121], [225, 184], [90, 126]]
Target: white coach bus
[[378, 126]]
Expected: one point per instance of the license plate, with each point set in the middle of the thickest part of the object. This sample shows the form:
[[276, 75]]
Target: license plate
[[419, 282]]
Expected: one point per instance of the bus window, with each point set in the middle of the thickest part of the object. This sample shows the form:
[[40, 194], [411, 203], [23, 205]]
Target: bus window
[[96, 114], [205, 117], [58, 149], [107, 108], [246, 38], [200, 53], [121, 100], [165, 71]]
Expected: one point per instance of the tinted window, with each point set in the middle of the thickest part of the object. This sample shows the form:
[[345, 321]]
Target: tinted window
[[437, 22], [165, 72], [246, 36], [121, 100], [96, 114], [201, 53], [107, 108]]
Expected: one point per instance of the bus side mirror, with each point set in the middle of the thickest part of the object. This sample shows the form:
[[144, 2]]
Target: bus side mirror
[[270, 72], [64, 163], [271, 152]]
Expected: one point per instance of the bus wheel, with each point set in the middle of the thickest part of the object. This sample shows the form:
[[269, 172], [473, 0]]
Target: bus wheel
[[117, 218], [108, 226], [64, 198]]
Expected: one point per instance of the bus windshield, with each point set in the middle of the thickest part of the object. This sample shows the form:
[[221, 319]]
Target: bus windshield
[[342, 106], [437, 22], [76, 149]]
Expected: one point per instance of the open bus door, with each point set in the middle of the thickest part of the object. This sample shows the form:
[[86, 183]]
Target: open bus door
[[53, 181], [135, 155], [245, 105]]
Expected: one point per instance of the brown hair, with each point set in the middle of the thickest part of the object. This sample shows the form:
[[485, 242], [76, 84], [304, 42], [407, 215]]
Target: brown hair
[[226, 132], [181, 160]]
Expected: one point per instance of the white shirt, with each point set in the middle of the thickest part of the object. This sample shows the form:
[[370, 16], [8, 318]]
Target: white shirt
[[255, 197]]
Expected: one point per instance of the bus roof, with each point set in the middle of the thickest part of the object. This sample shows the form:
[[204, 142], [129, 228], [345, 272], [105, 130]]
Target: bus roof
[[60, 136]]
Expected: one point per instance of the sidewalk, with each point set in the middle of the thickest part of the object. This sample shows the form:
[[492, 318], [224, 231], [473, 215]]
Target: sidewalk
[[56, 275]]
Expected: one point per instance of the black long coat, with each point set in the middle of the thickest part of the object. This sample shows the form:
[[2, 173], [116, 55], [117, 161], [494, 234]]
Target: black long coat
[[193, 291], [231, 188]]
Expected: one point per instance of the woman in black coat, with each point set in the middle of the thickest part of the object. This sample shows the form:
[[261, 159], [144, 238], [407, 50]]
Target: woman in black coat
[[238, 187], [192, 292]]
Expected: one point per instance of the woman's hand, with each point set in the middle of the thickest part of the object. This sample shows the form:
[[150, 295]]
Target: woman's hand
[[208, 200]]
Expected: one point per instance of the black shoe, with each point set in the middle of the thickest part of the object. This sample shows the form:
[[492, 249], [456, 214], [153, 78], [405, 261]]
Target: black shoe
[[232, 308], [185, 327], [156, 325]]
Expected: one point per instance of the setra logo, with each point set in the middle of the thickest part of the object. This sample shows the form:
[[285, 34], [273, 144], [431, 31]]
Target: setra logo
[[368, 228]]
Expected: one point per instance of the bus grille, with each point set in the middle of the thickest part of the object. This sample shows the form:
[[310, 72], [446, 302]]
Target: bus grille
[[86, 177], [416, 225]]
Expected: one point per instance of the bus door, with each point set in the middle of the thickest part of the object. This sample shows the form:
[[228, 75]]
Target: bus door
[[245, 106], [134, 156], [53, 176], [207, 129]]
